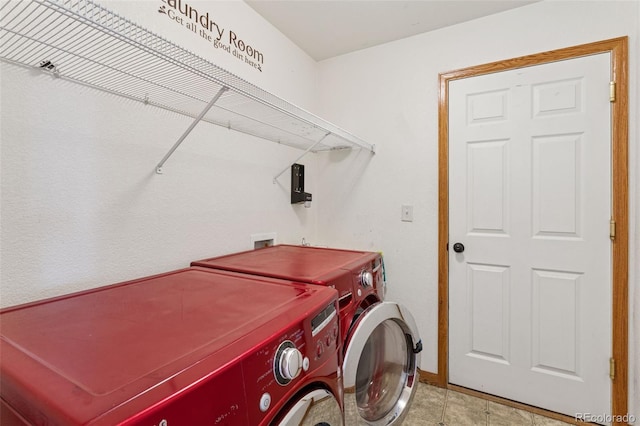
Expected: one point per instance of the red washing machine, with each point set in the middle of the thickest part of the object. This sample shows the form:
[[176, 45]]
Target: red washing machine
[[189, 347], [381, 340]]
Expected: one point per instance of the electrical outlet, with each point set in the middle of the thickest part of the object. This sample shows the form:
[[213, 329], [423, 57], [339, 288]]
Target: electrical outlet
[[407, 214]]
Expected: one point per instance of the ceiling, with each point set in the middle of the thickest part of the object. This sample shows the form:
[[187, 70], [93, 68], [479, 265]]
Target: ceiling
[[328, 28]]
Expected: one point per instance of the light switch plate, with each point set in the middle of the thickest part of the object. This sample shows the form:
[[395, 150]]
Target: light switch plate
[[407, 213]]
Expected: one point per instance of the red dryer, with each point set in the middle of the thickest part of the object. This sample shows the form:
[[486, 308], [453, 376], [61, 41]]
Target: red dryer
[[189, 347], [381, 340]]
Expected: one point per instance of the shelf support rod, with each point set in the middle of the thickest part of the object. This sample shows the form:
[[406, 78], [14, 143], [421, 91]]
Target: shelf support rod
[[190, 128], [301, 155]]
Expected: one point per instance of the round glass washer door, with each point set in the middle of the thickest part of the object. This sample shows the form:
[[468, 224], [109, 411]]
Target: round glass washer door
[[381, 363]]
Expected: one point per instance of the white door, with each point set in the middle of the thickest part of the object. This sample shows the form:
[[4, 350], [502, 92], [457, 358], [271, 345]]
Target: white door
[[529, 190]]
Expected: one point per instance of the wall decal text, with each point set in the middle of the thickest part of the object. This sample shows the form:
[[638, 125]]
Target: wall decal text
[[206, 27]]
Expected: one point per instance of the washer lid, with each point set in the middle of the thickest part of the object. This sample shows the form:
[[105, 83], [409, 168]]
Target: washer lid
[[78, 356]]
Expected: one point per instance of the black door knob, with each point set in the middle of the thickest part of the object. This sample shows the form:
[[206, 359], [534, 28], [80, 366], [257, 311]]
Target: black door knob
[[458, 247]]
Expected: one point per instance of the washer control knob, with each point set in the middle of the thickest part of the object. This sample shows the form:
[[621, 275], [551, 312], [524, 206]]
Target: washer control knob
[[290, 363], [366, 279], [287, 362]]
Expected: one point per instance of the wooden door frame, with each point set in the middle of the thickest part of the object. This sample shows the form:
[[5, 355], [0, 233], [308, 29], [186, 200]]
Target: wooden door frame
[[617, 47]]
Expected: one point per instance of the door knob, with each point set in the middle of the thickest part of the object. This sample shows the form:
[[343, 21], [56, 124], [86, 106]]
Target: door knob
[[458, 247]]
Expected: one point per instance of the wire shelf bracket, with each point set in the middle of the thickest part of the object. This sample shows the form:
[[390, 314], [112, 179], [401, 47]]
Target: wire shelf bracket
[[275, 178], [189, 129]]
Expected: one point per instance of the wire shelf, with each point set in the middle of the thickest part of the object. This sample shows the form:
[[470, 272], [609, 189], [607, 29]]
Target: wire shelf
[[81, 41]]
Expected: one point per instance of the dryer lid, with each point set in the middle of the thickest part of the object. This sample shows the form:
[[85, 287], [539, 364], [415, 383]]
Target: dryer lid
[[314, 265]]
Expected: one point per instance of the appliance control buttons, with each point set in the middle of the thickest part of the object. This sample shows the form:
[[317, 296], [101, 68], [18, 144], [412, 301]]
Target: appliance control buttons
[[305, 363], [319, 350], [366, 278], [265, 402]]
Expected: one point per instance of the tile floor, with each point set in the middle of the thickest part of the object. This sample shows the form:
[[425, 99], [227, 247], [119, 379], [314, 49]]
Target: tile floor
[[433, 406]]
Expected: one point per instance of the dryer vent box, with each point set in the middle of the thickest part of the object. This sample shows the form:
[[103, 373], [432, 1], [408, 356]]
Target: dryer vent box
[[265, 239]]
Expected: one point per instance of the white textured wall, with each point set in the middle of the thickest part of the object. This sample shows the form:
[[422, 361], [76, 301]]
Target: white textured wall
[[81, 205], [389, 95]]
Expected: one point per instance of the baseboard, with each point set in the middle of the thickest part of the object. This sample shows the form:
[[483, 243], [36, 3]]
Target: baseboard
[[430, 378]]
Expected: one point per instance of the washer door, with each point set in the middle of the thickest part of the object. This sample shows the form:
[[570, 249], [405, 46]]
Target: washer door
[[316, 408], [381, 363]]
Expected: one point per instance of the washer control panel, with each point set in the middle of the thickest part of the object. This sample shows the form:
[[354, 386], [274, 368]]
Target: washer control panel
[[324, 329], [306, 349]]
